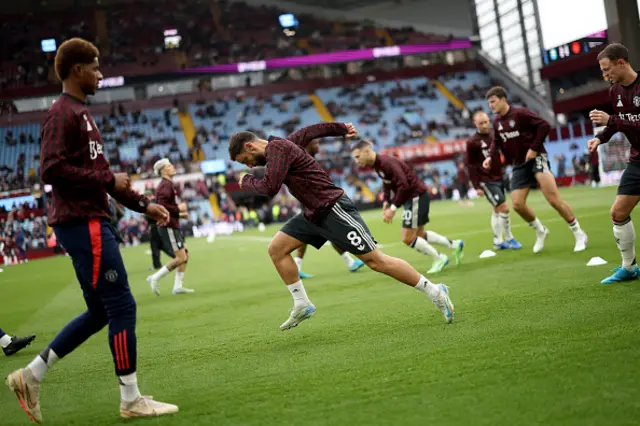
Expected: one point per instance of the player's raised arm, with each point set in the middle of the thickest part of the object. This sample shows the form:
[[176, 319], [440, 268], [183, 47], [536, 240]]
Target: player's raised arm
[[279, 162], [56, 168], [305, 135]]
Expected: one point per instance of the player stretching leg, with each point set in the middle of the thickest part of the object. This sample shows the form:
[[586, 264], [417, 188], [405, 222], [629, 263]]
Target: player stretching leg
[[519, 133], [72, 161], [625, 100], [12, 344], [312, 147], [488, 182], [171, 237], [409, 191], [328, 214]]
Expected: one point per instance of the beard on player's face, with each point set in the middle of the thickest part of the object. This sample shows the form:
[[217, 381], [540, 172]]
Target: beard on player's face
[[259, 160]]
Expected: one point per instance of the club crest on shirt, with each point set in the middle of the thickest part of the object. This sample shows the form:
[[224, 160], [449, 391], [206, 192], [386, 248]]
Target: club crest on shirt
[[512, 123], [636, 101]]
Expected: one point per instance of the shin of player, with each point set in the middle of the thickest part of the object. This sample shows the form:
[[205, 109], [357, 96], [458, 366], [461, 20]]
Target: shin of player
[[411, 193], [171, 238], [73, 163], [328, 214], [625, 101], [489, 182], [520, 133]]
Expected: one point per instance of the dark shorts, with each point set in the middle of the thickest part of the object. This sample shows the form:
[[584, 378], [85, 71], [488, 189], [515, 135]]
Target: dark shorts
[[494, 191], [343, 226], [171, 240], [524, 175], [416, 212], [630, 180]]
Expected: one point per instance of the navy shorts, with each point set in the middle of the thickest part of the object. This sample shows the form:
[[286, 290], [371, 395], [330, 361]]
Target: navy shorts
[[343, 226], [494, 191], [524, 175], [416, 211], [630, 180]]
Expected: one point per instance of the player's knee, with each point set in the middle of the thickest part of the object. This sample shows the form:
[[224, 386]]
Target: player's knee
[[502, 208], [618, 216], [408, 239], [519, 205], [275, 251]]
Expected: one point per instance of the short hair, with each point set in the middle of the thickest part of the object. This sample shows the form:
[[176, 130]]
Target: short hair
[[498, 91], [237, 141], [362, 145], [72, 52], [473, 117], [613, 52]]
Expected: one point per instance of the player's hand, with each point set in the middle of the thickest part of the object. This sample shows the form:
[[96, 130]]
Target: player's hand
[[183, 207], [387, 215], [158, 213], [593, 144], [601, 118], [351, 130], [480, 192], [122, 182], [531, 155], [486, 163]]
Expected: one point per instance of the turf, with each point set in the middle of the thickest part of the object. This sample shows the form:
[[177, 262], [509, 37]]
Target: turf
[[537, 340]]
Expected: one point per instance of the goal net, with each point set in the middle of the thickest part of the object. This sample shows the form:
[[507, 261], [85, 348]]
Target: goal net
[[613, 158]]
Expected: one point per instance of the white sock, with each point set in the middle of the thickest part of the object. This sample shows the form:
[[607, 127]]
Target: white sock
[[39, 366], [575, 226], [5, 340], [625, 235], [129, 387], [160, 273], [348, 259], [300, 298], [496, 226], [298, 261], [424, 247], [506, 226], [177, 283], [435, 238], [537, 225], [427, 287]]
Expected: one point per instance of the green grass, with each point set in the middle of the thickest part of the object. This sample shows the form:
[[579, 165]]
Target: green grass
[[537, 340]]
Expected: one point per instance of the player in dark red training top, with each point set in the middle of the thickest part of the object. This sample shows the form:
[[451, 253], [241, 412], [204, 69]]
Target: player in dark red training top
[[520, 133], [625, 100], [410, 193], [311, 142], [488, 182], [171, 238], [328, 214], [73, 162]]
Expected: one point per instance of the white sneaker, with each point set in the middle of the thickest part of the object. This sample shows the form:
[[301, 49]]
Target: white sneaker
[[540, 239], [183, 290], [444, 303], [145, 406], [27, 389], [155, 287], [581, 241], [298, 315]]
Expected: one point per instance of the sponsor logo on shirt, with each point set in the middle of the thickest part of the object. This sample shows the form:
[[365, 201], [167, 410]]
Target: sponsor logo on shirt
[[95, 149], [509, 135], [629, 117]]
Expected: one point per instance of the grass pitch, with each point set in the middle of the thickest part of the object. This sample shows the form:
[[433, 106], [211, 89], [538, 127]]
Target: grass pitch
[[537, 340]]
